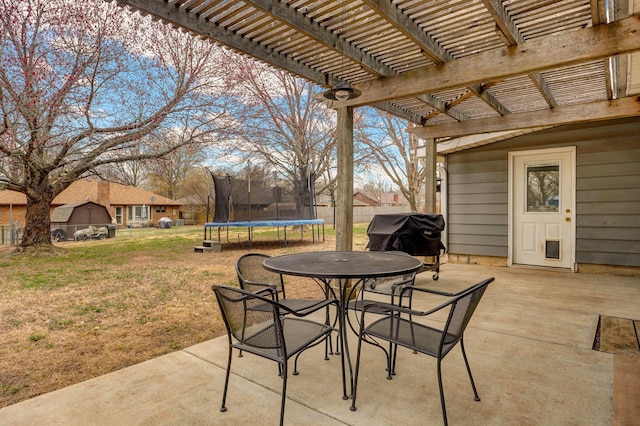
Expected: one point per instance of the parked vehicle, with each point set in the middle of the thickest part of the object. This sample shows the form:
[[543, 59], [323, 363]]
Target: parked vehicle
[[91, 233], [58, 234]]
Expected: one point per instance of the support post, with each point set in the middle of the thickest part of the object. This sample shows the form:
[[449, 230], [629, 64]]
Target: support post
[[344, 193], [430, 181]]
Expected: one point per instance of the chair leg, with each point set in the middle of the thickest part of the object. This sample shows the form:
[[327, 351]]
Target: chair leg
[[283, 366], [466, 361], [328, 346], [354, 387], [327, 341], [444, 410], [223, 407], [393, 349]]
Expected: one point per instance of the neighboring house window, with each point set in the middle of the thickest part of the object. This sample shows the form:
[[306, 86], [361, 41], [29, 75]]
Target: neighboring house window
[[119, 215], [161, 209], [137, 213]]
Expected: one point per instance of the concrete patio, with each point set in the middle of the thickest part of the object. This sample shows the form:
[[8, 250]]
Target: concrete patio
[[529, 345]]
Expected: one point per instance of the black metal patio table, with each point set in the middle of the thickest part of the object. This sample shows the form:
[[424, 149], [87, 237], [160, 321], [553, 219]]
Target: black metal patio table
[[337, 269]]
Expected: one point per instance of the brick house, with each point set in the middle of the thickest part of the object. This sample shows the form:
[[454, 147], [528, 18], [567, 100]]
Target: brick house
[[127, 205]]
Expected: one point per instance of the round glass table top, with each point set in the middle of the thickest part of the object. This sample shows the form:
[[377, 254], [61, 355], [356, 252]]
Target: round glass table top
[[344, 264]]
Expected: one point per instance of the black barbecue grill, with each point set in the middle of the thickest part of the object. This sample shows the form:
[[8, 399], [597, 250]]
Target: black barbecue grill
[[413, 233]]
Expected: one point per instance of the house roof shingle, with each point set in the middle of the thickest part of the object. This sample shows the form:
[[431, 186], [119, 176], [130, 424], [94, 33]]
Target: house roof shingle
[[84, 190]]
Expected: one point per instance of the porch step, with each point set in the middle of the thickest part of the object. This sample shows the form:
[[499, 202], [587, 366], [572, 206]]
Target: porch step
[[208, 246]]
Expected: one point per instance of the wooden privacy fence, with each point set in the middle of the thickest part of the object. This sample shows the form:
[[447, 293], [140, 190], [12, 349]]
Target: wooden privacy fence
[[360, 214]]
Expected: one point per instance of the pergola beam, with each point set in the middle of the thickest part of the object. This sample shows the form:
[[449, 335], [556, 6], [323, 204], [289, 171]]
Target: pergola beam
[[442, 107], [581, 113], [404, 24], [545, 53], [489, 99], [537, 79], [314, 30], [175, 15], [504, 23], [178, 16], [598, 11]]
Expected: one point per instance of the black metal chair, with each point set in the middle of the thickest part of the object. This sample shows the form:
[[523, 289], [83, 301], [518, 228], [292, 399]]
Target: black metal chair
[[404, 331], [388, 287], [253, 276], [267, 333]]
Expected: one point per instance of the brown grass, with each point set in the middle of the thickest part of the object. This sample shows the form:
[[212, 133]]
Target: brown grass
[[98, 306]]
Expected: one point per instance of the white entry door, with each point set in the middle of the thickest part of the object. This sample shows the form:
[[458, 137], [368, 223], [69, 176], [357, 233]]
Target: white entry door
[[542, 221]]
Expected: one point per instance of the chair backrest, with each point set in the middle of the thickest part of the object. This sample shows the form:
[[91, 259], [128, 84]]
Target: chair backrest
[[251, 319], [462, 309], [391, 285], [250, 271]]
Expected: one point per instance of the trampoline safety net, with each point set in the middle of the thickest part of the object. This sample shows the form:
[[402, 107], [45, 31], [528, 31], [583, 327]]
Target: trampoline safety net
[[237, 200]]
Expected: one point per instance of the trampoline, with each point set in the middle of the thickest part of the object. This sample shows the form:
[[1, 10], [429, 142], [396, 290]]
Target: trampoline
[[316, 225], [236, 203]]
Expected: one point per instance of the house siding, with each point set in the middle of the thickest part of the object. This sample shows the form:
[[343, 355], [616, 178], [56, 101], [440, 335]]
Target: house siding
[[13, 214], [607, 192], [104, 193]]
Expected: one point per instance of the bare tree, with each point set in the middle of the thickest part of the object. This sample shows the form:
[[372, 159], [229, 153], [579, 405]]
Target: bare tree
[[81, 84], [376, 187], [167, 175], [393, 149], [129, 173], [282, 126], [197, 190]]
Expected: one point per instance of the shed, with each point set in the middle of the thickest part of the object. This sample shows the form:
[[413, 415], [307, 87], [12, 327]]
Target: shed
[[72, 217]]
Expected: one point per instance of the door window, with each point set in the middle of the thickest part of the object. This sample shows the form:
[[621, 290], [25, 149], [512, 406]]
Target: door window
[[543, 188]]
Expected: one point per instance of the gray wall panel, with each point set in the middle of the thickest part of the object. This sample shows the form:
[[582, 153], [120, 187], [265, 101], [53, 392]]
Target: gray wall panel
[[493, 198], [607, 197], [465, 177], [487, 250], [480, 188], [461, 209], [606, 221], [608, 233], [475, 219]]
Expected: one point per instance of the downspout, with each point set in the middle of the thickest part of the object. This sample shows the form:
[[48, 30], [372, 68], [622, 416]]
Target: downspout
[[444, 204]]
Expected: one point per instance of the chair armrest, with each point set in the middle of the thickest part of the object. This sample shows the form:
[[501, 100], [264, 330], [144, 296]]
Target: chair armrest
[[371, 305], [452, 296], [309, 310], [442, 293], [432, 291], [268, 289], [246, 294], [251, 285]]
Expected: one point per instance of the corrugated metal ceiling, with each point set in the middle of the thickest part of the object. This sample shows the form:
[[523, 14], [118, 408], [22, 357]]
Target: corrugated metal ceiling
[[364, 41]]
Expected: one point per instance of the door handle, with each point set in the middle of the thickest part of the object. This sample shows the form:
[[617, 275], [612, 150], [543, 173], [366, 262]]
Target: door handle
[[568, 219]]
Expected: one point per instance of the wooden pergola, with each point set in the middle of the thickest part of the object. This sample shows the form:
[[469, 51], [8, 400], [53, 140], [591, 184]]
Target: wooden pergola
[[451, 67]]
